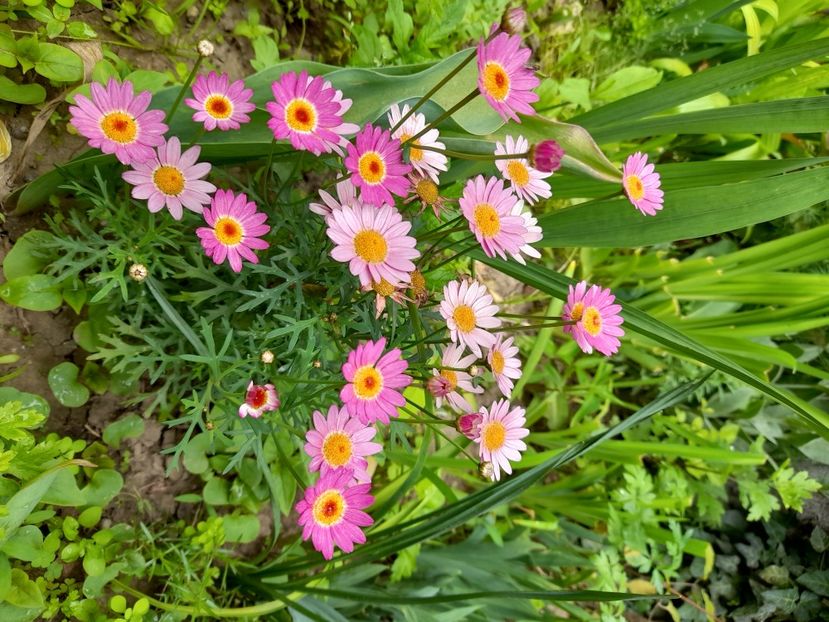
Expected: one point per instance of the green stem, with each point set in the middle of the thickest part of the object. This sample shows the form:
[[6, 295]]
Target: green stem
[[296, 380], [175, 318], [504, 329], [444, 116], [184, 87], [460, 253], [431, 250], [476, 156]]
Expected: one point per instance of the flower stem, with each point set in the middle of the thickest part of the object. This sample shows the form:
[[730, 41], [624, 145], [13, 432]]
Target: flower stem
[[476, 156], [444, 116], [460, 253], [515, 327], [184, 87], [296, 380]]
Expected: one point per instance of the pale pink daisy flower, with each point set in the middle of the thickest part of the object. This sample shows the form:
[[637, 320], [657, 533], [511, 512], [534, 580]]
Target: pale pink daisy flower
[[499, 435], [426, 162], [172, 179], [331, 512], [641, 183], [532, 235], [375, 381], [382, 290], [504, 363], [340, 442], [346, 195], [375, 161], [445, 382], [597, 321], [219, 103], [309, 111], [116, 121], [527, 182], [259, 399], [469, 311], [373, 242], [235, 229], [504, 78]]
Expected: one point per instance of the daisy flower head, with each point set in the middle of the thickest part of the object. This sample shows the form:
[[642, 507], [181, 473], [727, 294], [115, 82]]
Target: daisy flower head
[[382, 290], [469, 311], [528, 183], [220, 103], [504, 363], [374, 242], [375, 160], [259, 399], [420, 292], [426, 191], [309, 112], [117, 121], [499, 436], [641, 183], [172, 179], [235, 229], [346, 195], [340, 441], [504, 78], [532, 234], [597, 321], [444, 384], [331, 512], [374, 382], [425, 161]]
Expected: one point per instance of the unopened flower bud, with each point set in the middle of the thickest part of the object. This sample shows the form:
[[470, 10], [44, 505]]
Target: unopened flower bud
[[514, 20], [266, 357], [486, 470], [546, 156], [138, 272], [468, 425], [205, 48], [209, 425], [474, 370], [317, 364]]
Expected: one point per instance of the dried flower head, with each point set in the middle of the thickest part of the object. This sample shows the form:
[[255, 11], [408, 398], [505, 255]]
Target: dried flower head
[[266, 357], [205, 48], [138, 272]]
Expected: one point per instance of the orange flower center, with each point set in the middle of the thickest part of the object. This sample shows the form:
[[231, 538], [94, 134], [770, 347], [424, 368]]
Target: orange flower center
[[372, 168], [496, 81], [497, 362], [415, 154], [228, 231], [257, 396], [464, 317], [493, 435], [370, 246], [518, 173], [301, 116], [336, 449], [634, 187], [218, 106], [119, 127], [487, 220], [592, 321], [577, 311], [329, 508], [450, 377], [368, 382], [169, 180]]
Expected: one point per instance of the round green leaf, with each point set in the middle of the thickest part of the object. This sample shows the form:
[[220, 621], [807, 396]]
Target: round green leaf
[[26, 94], [118, 603], [63, 380], [27, 256], [130, 426], [37, 292], [90, 516], [59, 63]]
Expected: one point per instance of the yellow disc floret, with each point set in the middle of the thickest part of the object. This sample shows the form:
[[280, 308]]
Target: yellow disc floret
[[301, 116], [493, 436], [337, 449], [370, 246], [228, 231], [329, 508], [119, 127], [496, 81], [372, 168], [169, 180], [368, 382], [464, 317], [487, 220]]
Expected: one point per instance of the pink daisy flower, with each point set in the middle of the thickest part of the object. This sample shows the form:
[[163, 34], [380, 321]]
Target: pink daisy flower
[[445, 383], [375, 161], [346, 195], [427, 163], [375, 381], [258, 399], [309, 112], [332, 512], [641, 183], [499, 435], [468, 310], [504, 78], [340, 442], [598, 323], [116, 121], [534, 234], [235, 229], [504, 363], [172, 179], [219, 103], [373, 242], [527, 182]]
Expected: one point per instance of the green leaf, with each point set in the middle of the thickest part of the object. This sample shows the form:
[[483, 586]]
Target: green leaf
[[816, 581], [5, 576], [164, 24], [757, 498], [146, 80], [38, 292], [58, 63], [63, 380], [129, 426], [94, 586], [23, 591], [8, 47], [90, 516], [27, 400], [27, 256], [15, 421], [241, 529], [24, 501], [216, 492], [100, 490], [627, 81], [25, 94], [793, 488]]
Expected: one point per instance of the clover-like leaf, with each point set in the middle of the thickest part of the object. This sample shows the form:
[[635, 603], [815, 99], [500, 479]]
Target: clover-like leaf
[[63, 380]]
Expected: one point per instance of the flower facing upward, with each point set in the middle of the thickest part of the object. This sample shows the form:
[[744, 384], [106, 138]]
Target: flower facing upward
[[373, 242], [642, 183], [374, 382], [499, 436], [346, 195], [331, 512], [426, 162], [376, 164], [445, 382], [527, 182], [258, 399], [235, 229], [116, 121], [468, 310], [220, 103], [504, 78], [340, 442], [597, 321], [309, 112], [504, 363], [172, 179], [546, 156]]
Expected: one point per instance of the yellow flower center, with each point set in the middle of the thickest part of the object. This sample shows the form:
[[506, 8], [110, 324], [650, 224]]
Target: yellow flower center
[[218, 106], [497, 362], [383, 288], [370, 246], [634, 187], [418, 281], [518, 173], [119, 127], [487, 220], [592, 321], [368, 382], [578, 309], [301, 116], [228, 231], [493, 435], [415, 154], [427, 190], [329, 508], [496, 81], [372, 168], [169, 180], [336, 449], [464, 317], [450, 377]]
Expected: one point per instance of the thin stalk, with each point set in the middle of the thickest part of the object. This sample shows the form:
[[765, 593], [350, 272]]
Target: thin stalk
[[436, 230], [506, 329], [296, 380], [444, 116], [430, 250], [460, 253], [184, 87], [462, 155]]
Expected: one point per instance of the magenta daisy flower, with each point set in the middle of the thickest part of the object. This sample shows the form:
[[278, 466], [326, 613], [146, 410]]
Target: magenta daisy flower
[[332, 512], [235, 229], [346, 195], [116, 121], [376, 163], [468, 310], [504, 78], [597, 321], [172, 179], [340, 442], [504, 363], [641, 183], [309, 112], [373, 242], [444, 384], [499, 435], [375, 381], [258, 399], [426, 162], [527, 182], [546, 156], [219, 103]]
